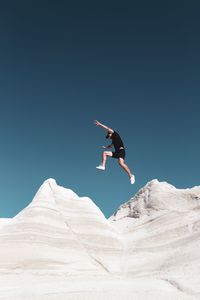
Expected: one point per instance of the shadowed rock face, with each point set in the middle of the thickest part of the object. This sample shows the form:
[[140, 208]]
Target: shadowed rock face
[[155, 235], [159, 197]]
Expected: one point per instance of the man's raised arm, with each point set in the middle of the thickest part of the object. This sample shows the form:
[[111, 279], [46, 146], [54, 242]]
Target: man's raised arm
[[97, 123]]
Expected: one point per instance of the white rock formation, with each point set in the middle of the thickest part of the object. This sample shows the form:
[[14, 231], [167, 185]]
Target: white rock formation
[[160, 227], [60, 232], [62, 247]]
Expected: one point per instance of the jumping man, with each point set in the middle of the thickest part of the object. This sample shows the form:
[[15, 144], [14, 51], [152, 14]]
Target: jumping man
[[119, 151]]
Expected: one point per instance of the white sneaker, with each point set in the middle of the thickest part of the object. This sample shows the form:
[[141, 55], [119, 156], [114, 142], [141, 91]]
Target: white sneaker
[[132, 179], [100, 167]]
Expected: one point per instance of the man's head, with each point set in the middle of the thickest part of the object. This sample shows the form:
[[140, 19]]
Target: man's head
[[109, 134]]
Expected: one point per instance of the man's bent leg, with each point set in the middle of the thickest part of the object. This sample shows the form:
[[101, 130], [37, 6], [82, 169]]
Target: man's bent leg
[[104, 157]]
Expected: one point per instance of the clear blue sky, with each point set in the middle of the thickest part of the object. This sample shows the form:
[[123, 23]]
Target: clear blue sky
[[134, 66]]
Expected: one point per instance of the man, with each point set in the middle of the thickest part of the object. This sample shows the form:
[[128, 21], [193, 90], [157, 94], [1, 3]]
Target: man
[[119, 151]]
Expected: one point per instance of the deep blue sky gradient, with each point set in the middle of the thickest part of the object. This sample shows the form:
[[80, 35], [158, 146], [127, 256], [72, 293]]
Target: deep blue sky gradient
[[134, 66]]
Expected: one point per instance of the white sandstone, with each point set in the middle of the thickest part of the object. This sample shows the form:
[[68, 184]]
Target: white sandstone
[[62, 247]]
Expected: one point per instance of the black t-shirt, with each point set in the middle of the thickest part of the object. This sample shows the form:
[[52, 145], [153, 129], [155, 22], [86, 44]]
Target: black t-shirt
[[116, 141]]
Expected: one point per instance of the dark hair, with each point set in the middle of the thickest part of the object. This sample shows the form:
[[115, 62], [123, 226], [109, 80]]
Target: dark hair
[[107, 136]]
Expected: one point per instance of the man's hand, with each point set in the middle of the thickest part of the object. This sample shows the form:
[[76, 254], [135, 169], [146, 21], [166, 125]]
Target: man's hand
[[97, 123], [109, 146]]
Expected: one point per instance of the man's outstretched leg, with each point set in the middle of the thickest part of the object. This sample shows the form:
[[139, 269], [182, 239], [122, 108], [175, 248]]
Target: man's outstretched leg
[[126, 168], [102, 166]]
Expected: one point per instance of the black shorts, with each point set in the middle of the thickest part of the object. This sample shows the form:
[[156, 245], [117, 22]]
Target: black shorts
[[119, 153]]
